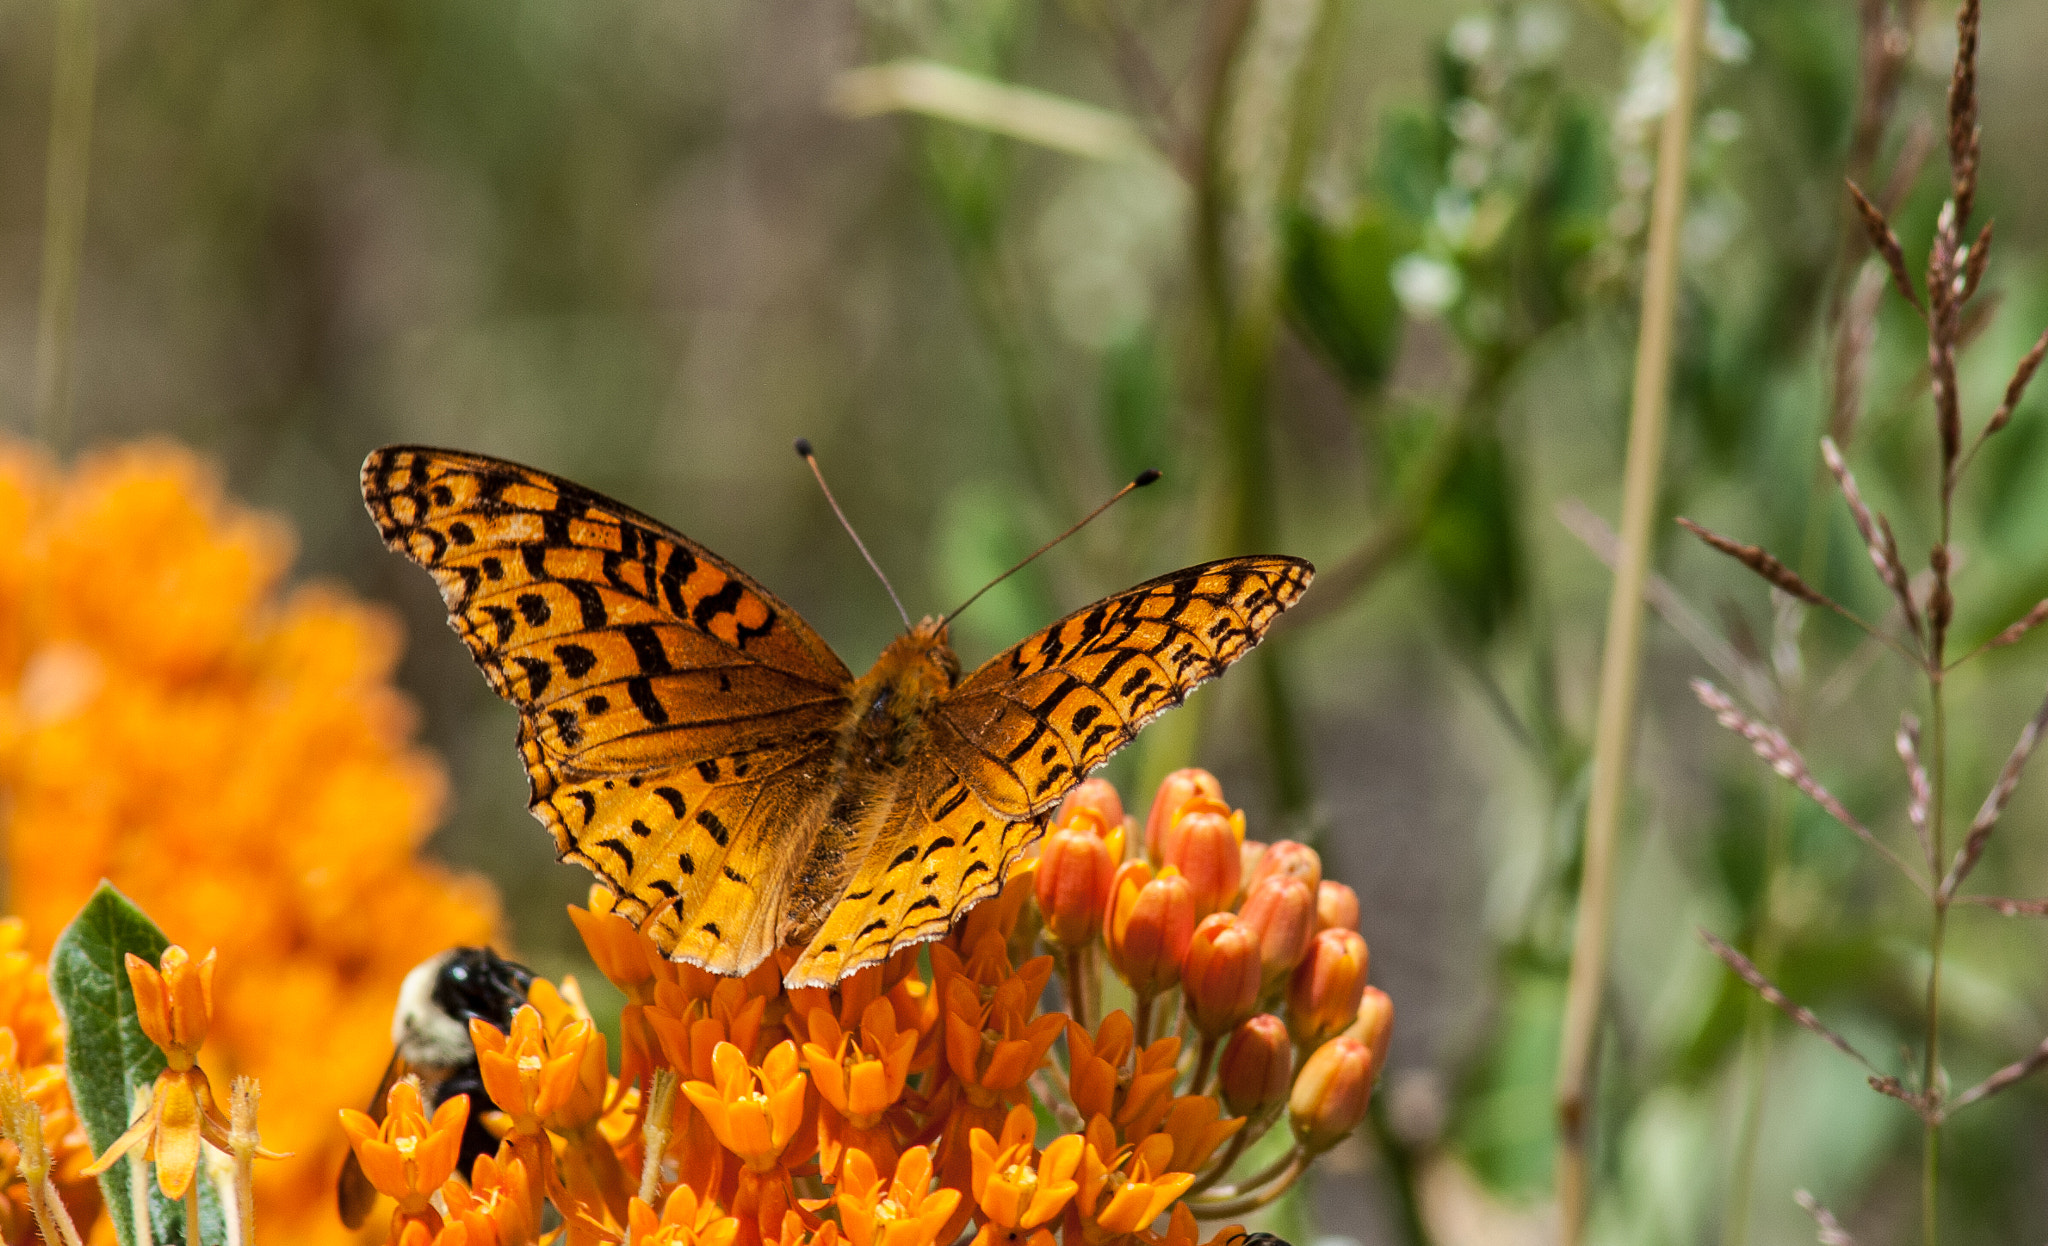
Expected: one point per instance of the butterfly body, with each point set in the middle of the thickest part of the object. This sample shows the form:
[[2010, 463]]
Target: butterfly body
[[693, 743]]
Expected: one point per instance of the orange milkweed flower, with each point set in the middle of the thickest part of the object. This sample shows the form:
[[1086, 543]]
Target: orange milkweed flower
[[1151, 920], [1181, 1230], [174, 1006], [629, 960], [1330, 1096], [754, 1113], [1124, 1190], [905, 1212], [498, 1206], [993, 1050], [1197, 1126], [1100, 1086], [860, 1076], [1018, 1196], [1174, 791], [409, 1156], [685, 1220]]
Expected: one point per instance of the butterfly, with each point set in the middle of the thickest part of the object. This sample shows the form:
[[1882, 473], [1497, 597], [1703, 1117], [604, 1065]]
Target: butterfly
[[698, 747]]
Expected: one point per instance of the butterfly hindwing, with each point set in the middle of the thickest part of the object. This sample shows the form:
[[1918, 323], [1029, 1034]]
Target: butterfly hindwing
[[670, 707]]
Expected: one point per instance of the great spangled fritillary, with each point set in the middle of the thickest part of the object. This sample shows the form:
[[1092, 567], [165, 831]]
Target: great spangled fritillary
[[697, 746]]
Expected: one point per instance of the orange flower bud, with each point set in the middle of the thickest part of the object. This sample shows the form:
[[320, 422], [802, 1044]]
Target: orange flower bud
[[1250, 853], [1323, 995], [1330, 1096], [175, 1006], [1281, 912], [1202, 845], [1336, 907], [1098, 796], [1175, 790], [1221, 974], [1374, 1026], [1073, 876], [1150, 923], [1257, 1065], [1287, 857]]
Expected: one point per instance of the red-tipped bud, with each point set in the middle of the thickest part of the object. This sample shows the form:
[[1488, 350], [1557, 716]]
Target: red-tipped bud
[[1175, 790], [1336, 907], [1323, 995], [1099, 797], [1072, 879], [1330, 1096], [1281, 912], [1257, 1066], [1374, 1026], [1151, 921], [1202, 845], [1287, 857], [1221, 975]]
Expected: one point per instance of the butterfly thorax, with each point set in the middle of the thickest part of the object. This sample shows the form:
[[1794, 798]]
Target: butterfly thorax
[[888, 723]]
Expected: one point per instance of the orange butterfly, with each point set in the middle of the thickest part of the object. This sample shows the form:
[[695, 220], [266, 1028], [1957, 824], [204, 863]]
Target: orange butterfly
[[697, 746]]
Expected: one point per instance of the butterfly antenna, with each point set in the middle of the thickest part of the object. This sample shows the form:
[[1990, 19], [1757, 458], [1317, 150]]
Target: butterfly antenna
[[1139, 481], [803, 450]]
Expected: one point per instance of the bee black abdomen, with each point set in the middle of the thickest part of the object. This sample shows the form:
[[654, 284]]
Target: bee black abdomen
[[476, 1139]]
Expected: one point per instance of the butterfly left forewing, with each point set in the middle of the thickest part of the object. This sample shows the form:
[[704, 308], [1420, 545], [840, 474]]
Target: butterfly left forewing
[[674, 716]]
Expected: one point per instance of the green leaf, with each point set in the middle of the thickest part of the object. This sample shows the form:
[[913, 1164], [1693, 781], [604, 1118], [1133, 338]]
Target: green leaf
[[107, 1056], [1339, 290]]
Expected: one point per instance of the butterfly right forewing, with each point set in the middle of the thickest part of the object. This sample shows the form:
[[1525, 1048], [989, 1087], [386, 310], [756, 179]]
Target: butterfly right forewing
[[1032, 721]]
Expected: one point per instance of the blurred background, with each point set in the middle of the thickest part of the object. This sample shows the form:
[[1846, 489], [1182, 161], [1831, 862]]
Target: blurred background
[[1360, 277]]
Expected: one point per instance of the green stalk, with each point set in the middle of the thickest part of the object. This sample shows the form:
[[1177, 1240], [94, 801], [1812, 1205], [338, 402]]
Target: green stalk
[[1930, 1169], [1621, 657]]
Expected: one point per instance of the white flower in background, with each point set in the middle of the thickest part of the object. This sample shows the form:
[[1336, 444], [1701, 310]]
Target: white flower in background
[[1471, 37], [1726, 42], [1426, 285], [1451, 215], [1721, 126]]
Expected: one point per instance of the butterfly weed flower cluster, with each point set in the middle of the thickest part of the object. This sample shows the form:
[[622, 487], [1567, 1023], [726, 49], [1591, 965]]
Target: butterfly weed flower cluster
[[934, 1098], [231, 753]]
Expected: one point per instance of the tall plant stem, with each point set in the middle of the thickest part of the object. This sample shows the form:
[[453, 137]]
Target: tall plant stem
[[64, 203], [1930, 1076], [1621, 657]]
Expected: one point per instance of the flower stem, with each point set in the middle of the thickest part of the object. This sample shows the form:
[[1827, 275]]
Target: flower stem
[[1076, 986], [1206, 1056], [193, 1236], [661, 1103], [1297, 1164], [1930, 1075], [1621, 658]]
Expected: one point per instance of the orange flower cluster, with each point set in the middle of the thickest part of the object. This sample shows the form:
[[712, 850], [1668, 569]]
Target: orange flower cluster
[[909, 1103], [32, 1045], [235, 760]]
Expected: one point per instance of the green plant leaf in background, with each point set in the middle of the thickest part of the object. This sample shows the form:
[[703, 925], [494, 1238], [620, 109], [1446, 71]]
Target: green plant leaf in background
[[107, 1057], [1339, 290]]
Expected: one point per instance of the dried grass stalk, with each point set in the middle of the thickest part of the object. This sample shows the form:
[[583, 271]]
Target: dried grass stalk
[[1974, 260], [2016, 388], [1759, 560], [2006, 907], [1995, 801], [1886, 243], [1831, 1231], [1770, 744], [1908, 743], [2032, 620], [1877, 536], [1963, 131], [2018, 1070], [1802, 1017]]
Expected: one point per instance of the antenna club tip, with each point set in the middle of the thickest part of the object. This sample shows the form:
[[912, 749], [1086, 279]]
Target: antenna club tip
[[1144, 478], [803, 447]]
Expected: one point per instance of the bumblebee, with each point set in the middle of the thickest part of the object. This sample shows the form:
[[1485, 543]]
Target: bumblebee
[[430, 1041]]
